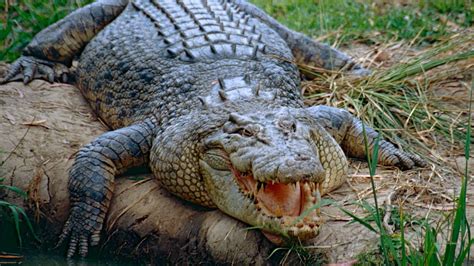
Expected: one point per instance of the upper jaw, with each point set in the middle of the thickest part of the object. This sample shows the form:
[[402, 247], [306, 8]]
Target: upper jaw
[[290, 214]]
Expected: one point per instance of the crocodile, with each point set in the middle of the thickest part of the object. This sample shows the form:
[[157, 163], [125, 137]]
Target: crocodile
[[208, 95]]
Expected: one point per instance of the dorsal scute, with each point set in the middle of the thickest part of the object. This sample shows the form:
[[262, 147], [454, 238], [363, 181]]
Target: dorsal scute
[[200, 31]]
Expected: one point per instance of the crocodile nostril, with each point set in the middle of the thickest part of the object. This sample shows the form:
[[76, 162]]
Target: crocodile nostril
[[302, 157], [287, 124]]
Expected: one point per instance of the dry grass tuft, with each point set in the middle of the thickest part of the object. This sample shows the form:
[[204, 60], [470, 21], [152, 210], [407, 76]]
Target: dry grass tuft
[[404, 100]]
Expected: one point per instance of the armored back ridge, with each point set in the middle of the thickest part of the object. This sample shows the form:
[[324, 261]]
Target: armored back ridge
[[159, 56], [207, 93]]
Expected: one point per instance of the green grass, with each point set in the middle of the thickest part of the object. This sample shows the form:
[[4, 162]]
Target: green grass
[[343, 21], [337, 21], [25, 18]]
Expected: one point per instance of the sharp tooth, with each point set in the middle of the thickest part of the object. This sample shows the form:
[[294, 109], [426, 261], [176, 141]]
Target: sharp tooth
[[318, 199]]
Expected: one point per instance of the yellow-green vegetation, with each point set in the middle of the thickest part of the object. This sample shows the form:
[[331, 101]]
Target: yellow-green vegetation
[[335, 21], [343, 21]]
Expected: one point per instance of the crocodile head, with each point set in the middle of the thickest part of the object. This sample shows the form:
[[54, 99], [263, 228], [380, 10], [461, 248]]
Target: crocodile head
[[269, 169]]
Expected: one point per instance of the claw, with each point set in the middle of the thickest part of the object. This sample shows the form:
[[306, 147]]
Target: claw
[[318, 199], [72, 246], [65, 233], [417, 160], [95, 238], [405, 162], [30, 68], [29, 72], [361, 72], [83, 246], [48, 72], [390, 155], [82, 230], [14, 70]]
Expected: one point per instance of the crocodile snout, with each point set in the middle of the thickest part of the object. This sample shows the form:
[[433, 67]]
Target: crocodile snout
[[278, 166]]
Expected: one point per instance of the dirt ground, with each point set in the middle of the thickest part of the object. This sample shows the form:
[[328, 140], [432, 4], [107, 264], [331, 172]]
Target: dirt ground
[[42, 125]]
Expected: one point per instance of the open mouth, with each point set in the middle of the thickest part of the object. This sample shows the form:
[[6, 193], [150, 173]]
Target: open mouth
[[293, 204]]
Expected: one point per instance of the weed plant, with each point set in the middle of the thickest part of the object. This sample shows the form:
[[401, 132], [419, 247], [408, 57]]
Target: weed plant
[[13, 214]]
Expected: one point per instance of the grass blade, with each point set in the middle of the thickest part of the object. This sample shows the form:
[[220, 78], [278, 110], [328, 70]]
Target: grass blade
[[402, 237], [460, 220], [28, 223], [359, 220], [14, 189], [16, 221]]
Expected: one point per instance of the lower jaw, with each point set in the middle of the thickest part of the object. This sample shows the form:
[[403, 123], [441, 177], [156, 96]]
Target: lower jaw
[[293, 233]]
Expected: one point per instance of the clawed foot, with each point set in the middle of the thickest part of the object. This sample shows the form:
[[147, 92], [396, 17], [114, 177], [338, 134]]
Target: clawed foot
[[359, 71], [27, 68], [82, 228], [390, 155]]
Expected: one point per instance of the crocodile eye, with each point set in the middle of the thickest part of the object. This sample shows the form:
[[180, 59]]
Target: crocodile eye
[[250, 130], [245, 132]]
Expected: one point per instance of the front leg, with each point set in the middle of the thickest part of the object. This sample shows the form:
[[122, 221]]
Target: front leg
[[57, 45], [304, 49], [348, 131], [91, 181]]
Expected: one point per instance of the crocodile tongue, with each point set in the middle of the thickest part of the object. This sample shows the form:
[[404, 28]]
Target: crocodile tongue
[[276, 199], [281, 199]]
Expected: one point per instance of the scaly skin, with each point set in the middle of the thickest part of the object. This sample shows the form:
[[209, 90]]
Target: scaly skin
[[206, 93]]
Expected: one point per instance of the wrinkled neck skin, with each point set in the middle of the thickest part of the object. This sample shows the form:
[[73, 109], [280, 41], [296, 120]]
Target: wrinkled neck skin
[[254, 159]]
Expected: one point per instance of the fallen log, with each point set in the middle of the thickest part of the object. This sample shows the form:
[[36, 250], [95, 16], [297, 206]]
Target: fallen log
[[44, 124]]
